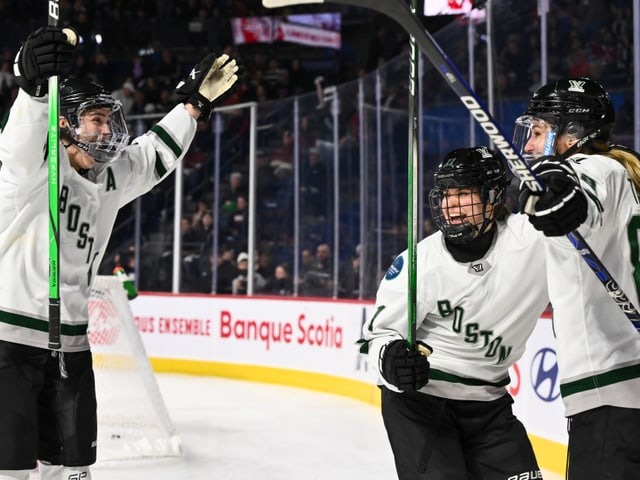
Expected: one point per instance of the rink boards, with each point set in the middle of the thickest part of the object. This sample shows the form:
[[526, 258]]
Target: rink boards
[[312, 344]]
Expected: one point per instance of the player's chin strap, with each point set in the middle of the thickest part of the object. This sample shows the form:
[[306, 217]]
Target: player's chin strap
[[66, 136]]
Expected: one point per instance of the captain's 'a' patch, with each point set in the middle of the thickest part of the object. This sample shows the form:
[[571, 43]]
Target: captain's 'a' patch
[[479, 268]]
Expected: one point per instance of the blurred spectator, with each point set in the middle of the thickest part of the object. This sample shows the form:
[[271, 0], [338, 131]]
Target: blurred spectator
[[349, 277], [300, 81], [282, 155], [226, 269], [166, 102], [314, 184], [513, 61], [196, 218], [189, 238], [281, 282], [7, 80], [229, 192], [125, 94], [271, 77], [236, 223], [168, 69], [239, 284], [318, 278]]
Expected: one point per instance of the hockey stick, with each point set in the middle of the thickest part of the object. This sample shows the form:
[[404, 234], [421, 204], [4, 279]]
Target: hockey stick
[[54, 210], [400, 12], [412, 189]]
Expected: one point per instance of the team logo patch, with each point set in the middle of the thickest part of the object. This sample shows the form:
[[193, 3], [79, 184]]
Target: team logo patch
[[395, 268], [479, 268], [576, 86]]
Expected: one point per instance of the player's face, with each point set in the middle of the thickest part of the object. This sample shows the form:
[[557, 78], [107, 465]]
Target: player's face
[[462, 205], [533, 137], [538, 142], [93, 124]]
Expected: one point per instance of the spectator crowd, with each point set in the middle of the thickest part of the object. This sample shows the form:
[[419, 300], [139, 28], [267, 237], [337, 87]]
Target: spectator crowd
[[139, 50]]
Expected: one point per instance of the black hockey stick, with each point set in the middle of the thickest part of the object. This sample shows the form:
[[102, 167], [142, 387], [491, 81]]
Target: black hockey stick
[[412, 190], [399, 11]]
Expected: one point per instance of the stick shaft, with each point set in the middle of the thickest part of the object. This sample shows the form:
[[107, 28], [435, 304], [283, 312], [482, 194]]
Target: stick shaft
[[412, 190], [54, 210]]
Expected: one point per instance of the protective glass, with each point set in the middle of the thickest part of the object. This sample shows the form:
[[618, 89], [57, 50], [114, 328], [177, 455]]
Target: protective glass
[[100, 128], [534, 137]]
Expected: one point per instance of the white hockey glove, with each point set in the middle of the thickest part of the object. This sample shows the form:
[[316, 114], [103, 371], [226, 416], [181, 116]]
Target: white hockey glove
[[562, 207], [46, 52], [209, 83]]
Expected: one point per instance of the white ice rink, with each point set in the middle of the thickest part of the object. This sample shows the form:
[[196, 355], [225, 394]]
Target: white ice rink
[[238, 430]]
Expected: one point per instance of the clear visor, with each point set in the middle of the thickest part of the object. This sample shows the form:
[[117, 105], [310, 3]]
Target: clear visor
[[102, 129], [534, 137]]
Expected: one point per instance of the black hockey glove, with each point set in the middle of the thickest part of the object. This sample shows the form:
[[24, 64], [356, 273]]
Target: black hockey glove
[[562, 207], [406, 369], [46, 52], [209, 83]]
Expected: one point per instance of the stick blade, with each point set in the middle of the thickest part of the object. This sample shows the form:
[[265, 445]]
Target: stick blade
[[286, 3]]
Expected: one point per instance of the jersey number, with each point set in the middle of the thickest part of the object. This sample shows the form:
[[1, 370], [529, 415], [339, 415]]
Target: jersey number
[[633, 230]]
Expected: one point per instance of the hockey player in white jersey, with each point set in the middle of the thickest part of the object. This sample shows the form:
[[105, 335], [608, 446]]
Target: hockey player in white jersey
[[48, 405], [594, 187], [480, 291]]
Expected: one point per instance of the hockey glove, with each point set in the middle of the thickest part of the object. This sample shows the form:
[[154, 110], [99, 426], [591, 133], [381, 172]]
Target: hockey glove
[[406, 369], [562, 207], [46, 52], [209, 83]]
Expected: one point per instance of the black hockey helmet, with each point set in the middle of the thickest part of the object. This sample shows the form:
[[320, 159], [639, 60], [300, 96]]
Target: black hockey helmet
[[477, 168], [79, 96], [579, 107]]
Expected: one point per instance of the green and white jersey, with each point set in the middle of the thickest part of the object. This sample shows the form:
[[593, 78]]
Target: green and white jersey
[[598, 348], [88, 208], [476, 316]]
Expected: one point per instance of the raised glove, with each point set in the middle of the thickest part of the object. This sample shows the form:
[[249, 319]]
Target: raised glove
[[406, 369], [208, 83], [46, 52], [562, 207]]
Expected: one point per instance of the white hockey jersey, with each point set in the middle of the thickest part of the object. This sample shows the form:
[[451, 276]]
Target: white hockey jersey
[[476, 316], [88, 208], [598, 347]]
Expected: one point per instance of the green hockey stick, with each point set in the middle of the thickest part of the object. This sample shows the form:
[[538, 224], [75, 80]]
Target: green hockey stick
[[54, 195]]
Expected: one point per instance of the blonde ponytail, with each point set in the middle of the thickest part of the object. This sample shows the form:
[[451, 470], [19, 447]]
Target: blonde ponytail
[[623, 155]]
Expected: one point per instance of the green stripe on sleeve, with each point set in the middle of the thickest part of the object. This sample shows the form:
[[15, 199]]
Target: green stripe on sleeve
[[601, 380], [160, 168], [167, 139]]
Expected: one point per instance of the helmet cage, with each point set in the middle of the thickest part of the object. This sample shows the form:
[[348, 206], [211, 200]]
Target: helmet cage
[[468, 171], [103, 147]]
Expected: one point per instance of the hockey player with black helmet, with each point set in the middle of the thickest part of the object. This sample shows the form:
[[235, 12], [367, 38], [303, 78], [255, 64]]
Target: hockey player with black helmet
[[592, 185], [48, 403], [448, 415]]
